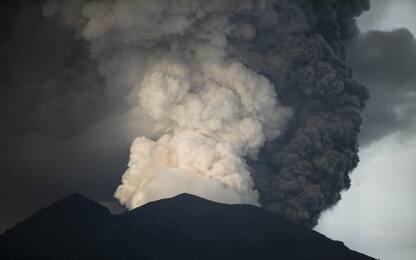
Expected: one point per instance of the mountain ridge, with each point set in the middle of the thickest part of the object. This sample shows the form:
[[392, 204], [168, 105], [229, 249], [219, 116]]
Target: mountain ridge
[[181, 227]]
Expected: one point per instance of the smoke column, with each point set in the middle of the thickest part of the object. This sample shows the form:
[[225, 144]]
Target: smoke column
[[211, 109], [246, 101]]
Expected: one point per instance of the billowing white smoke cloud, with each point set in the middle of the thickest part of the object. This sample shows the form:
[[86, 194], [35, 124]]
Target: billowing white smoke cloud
[[210, 110]]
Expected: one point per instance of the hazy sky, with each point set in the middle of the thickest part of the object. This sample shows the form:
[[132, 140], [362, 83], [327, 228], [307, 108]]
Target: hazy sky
[[377, 215]]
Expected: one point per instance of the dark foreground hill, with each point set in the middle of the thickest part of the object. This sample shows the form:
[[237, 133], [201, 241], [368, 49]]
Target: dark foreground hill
[[183, 227]]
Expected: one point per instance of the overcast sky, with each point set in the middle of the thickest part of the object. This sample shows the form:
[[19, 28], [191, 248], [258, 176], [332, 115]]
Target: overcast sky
[[377, 215]]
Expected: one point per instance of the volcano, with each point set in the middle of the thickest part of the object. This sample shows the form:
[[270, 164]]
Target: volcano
[[182, 227]]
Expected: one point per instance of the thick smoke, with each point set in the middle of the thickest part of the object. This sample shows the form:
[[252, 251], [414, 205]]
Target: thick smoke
[[211, 109], [216, 80], [303, 173]]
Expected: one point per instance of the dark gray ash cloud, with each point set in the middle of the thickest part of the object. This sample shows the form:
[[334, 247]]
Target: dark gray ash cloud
[[303, 173]]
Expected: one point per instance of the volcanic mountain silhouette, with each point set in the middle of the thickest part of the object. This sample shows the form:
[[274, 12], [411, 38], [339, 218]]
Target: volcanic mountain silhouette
[[182, 227]]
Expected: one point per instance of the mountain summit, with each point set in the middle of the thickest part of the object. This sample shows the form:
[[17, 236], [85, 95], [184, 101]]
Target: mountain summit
[[182, 227]]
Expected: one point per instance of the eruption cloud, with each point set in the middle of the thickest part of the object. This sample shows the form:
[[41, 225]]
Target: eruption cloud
[[213, 113], [211, 109], [246, 101]]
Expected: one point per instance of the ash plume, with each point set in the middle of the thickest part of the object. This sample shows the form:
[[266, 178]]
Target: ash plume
[[246, 101]]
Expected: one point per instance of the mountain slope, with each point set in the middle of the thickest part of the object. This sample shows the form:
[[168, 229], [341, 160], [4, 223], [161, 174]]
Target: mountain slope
[[183, 227]]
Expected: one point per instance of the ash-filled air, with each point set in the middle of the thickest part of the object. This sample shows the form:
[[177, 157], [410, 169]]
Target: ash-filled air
[[246, 101]]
